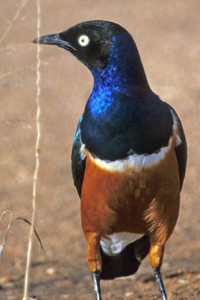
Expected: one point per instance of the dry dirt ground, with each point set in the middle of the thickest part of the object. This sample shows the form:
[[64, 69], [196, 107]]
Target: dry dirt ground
[[167, 35]]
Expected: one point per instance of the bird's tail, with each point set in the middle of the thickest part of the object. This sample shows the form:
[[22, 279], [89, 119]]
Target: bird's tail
[[126, 262]]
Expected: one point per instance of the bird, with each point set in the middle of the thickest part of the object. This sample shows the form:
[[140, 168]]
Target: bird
[[129, 155]]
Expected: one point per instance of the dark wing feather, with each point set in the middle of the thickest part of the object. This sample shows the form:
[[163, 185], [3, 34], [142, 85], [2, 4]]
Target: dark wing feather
[[181, 151], [78, 160]]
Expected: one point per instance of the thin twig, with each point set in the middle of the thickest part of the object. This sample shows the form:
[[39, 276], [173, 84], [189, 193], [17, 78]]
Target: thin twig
[[29, 250], [35, 231], [8, 228], [12, 219]]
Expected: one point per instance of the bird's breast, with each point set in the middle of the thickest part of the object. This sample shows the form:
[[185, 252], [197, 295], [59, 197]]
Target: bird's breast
[[121, 197]]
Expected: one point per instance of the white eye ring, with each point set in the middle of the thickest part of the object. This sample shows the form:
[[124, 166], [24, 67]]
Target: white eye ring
[[83, 40]]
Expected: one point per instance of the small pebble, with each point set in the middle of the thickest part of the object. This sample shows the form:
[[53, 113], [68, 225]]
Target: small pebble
[[50, 271], [4, 279], [128, 294], [183, 281]]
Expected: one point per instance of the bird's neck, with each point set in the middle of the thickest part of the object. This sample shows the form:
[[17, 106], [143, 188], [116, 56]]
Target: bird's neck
[[123, 72]]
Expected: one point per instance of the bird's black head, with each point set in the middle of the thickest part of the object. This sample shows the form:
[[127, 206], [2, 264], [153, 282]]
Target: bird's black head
[[89, 41], [108, 50]]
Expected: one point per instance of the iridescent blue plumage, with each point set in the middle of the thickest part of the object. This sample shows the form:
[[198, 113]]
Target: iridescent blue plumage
[[117, 76], [121, 75], [129, 125], [122, 114]]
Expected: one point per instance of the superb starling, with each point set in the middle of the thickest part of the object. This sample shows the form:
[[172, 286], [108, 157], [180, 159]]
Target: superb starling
[[128, 156]]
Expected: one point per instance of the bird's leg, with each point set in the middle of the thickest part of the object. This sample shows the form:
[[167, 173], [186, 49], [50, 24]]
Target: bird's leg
[[156, 257], [96, 282], [94, 261], [160, 282]]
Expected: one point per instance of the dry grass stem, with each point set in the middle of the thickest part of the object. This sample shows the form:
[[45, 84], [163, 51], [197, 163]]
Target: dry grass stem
[[35, 177], [7, 231]]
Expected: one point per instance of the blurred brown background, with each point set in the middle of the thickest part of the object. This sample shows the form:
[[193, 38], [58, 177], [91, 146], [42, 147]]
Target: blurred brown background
[[167, 36]]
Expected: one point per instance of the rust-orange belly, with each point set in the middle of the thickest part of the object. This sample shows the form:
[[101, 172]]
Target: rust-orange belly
[[139, 201]]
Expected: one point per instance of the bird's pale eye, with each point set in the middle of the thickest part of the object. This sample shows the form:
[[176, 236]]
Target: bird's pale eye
[[83, 40]]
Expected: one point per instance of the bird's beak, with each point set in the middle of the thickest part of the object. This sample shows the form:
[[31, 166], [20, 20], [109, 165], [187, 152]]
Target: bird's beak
[[50, 39], [54, 39]]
